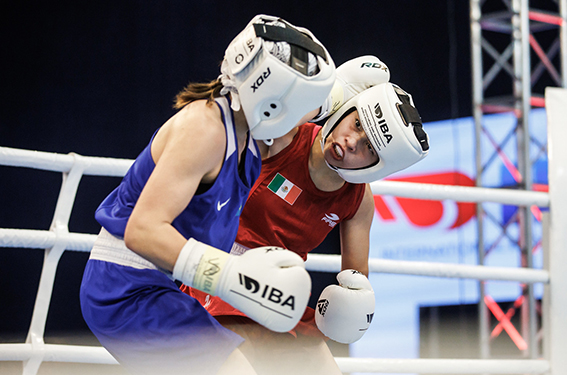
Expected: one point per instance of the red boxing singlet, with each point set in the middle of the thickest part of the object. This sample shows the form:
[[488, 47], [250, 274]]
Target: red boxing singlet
[[286, 209]]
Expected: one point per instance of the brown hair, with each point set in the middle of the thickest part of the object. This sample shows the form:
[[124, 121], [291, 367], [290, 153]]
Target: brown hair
[[197, 91]]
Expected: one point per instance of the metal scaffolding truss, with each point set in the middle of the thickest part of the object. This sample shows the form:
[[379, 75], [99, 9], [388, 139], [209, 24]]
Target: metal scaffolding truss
[[517, 51]]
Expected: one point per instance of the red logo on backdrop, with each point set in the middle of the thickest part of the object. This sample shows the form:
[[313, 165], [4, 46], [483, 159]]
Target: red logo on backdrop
[[424, 213]]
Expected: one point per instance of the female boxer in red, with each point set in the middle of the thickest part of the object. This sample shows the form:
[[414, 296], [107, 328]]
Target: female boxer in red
[[312, 179]]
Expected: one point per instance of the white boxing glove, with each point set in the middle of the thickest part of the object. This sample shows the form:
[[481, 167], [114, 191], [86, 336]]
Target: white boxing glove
[[269, 284], [353, 77], [345, 312]]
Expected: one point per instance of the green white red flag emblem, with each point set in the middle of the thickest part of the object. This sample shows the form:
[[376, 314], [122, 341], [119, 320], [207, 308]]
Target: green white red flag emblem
[[284, 188]]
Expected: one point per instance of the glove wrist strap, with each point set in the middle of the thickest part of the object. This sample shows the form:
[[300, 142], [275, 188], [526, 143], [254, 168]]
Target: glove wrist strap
[[324, 110], [187, 261], [199, 265], [209, 270], [333, 102]]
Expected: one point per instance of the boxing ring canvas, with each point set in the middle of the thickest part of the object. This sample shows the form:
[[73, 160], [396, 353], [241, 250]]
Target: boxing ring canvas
[[384, 264]]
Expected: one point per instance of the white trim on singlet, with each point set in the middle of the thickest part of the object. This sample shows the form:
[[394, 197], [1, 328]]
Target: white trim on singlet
[[110, 248], [229, 125]]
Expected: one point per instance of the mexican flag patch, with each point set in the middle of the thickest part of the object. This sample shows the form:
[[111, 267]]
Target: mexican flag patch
[[284, 189]]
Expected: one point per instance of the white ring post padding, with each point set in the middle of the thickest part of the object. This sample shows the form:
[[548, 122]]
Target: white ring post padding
[[332, 263], [460, 193], [443, 366], [52, 255], [96, 166], [556, 106]]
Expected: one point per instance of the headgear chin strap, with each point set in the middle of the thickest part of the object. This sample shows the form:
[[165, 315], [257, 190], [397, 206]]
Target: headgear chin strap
[[393, 127], [277, 73]]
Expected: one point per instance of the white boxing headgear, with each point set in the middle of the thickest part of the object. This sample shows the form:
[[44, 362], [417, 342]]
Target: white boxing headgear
[[277, 73], [393, 127]]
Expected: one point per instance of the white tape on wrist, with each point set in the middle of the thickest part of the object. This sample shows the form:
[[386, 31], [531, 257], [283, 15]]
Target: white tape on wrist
[[332, 103], [188, 260], [337, 96], [209, 270]]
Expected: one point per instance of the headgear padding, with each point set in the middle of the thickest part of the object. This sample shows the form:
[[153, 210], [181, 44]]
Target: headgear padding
[[393, 127], [278, 73]]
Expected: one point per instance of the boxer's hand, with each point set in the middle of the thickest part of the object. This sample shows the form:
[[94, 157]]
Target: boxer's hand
[[353, 77], [344, 312], [269, 284]]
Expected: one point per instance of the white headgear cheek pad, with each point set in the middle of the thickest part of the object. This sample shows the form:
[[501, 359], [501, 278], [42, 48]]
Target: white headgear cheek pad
[[273, 95], [396, 136]]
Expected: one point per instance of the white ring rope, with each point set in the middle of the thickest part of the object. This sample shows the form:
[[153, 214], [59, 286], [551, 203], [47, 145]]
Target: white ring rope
[[332, 263], [96, 166], [98, 355], [460, 193], [444, 366], [37, 352], [58, 353], [45, 239], [38, 239]]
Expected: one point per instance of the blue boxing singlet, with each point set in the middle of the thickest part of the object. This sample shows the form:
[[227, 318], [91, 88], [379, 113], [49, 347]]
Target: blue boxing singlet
[[136, 310], [211, 217]]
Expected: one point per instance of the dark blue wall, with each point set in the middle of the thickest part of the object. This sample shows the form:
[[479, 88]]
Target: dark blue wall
[[98, 77]]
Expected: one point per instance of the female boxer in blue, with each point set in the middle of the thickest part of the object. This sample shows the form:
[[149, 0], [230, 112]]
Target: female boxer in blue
[[175, 214]]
